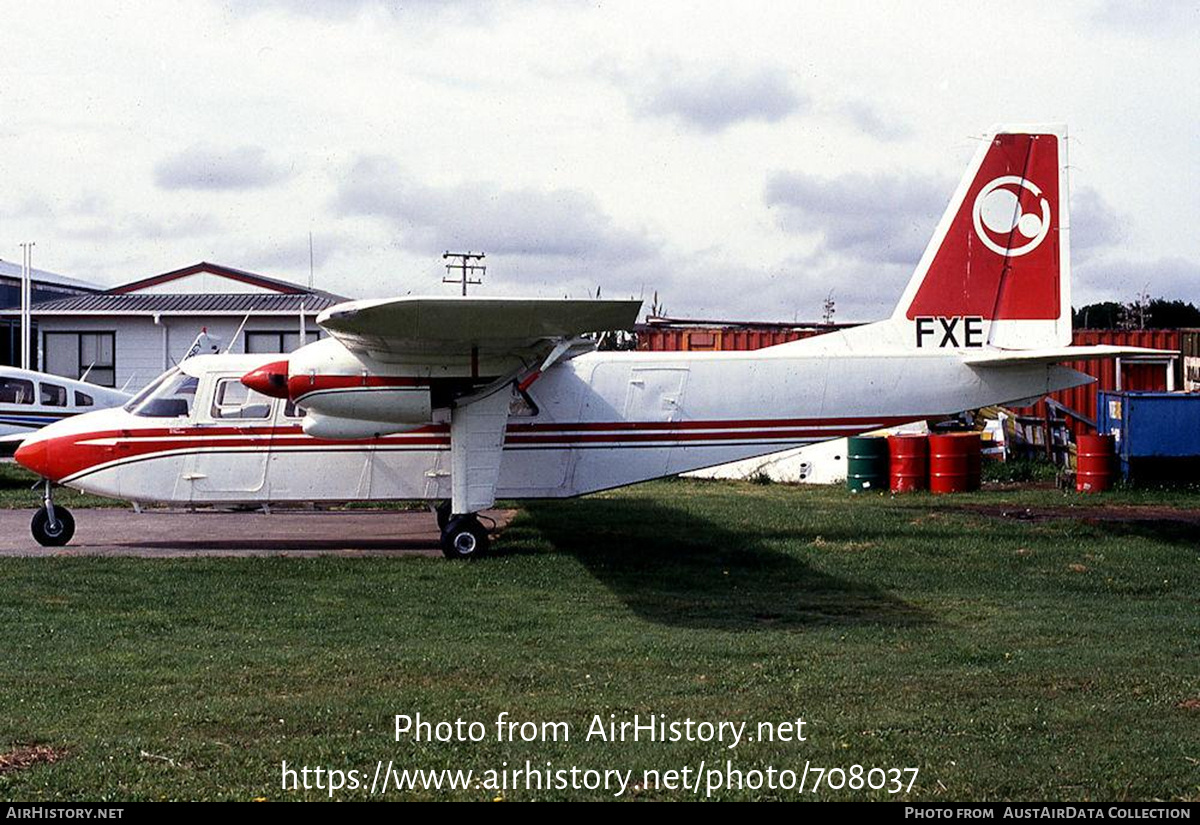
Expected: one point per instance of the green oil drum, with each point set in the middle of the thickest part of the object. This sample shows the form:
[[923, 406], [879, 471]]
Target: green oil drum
[[867, 463]]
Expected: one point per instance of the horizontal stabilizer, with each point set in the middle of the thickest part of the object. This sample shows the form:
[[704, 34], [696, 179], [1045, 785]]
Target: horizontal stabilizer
[[1058, 355]]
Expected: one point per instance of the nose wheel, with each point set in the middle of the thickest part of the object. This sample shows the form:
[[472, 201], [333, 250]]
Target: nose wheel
[[464, 537], [52, 526]]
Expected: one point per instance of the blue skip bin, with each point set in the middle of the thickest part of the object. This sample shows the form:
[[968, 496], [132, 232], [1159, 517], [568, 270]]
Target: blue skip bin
[[1157, 433]]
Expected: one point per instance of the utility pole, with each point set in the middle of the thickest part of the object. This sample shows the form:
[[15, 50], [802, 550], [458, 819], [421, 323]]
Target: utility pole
[[26, 301], [828, 308], [465, 269]]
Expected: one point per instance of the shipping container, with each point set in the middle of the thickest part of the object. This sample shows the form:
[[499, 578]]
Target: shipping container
[[681, 337]]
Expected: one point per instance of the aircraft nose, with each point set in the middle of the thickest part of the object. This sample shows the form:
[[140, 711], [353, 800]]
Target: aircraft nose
[[269, 379], [35, 456]]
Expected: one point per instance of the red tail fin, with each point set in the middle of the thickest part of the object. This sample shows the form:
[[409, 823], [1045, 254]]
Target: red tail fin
[[1000, 255]]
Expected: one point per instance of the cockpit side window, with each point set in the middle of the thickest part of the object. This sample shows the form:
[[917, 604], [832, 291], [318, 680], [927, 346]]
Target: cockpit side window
[[233, 399], [171, 396], [82, 399], [53, 395], [16, 391]]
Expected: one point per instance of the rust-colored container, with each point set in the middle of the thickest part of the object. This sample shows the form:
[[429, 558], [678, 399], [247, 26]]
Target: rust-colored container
[[954, 462], [908, 463], [1094, 463]]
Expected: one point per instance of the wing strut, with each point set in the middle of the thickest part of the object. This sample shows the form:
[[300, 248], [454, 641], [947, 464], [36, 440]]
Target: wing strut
[[476, 444]]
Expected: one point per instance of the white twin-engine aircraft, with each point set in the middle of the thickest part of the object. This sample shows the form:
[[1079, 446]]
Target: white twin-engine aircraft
[[464, 400]]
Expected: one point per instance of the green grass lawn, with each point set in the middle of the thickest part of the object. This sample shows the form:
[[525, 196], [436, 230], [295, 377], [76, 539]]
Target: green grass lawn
[[1041, 659]]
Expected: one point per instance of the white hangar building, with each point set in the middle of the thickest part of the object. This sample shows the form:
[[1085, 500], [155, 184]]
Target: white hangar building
[[129, 334]]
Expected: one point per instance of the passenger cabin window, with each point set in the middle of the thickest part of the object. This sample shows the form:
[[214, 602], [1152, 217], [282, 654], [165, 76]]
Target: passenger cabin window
[[16, 391], [82, 399], [171, 396], [53, 395], [233, 399]]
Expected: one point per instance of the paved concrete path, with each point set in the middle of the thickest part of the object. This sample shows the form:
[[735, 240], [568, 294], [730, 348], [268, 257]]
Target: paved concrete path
[[178, 533]]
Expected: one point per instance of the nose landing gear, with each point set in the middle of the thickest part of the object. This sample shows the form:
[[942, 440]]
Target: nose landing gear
[[52, 526]]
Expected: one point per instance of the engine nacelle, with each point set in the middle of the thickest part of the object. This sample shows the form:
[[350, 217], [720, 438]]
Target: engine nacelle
[[385, 404], [330, 426]]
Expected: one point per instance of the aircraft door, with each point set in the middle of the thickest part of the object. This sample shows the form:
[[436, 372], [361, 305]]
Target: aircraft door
[[655, 393], [234, 430]]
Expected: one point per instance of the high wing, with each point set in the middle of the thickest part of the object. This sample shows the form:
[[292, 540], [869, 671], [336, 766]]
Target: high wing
[[393, 328], [446, 330]]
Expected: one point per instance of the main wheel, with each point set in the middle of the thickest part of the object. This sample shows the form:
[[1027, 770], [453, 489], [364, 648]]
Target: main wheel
[[464, 538], [56, 534]]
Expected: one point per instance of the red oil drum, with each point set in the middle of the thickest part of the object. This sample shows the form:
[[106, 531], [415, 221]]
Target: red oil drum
[[1094, 462], [909, 463], [954, 462]]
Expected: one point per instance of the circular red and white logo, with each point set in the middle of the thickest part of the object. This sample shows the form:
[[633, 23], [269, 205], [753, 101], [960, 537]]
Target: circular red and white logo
[[999, 220]]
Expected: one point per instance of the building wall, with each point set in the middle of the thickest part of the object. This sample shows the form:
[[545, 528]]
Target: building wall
[[140, 355]]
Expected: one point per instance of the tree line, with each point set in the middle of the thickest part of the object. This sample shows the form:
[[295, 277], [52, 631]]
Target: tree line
[[1141, 313]]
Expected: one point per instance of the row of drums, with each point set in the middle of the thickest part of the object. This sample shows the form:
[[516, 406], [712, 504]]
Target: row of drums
[[943, 463], [951, 463]]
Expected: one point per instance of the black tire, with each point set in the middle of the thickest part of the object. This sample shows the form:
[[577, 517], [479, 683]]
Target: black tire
[[52, 536], [464, 538], [443, 514]]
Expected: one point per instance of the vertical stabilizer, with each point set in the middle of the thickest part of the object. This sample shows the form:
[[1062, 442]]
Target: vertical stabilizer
[[997, 271]]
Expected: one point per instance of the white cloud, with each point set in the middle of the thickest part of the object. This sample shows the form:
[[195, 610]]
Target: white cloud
[[208, 167], [524, 222], [1122, 279], [712, 99], [875, 219], [870, 120]]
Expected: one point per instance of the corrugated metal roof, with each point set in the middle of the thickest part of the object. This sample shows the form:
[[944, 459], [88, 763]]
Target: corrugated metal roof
[[41, 276], [232, 304]]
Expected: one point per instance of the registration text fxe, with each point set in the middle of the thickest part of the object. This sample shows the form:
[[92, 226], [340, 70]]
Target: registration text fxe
[[654, 727]]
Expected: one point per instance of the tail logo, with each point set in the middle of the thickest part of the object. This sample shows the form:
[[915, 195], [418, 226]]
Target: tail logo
[[1000, 221]]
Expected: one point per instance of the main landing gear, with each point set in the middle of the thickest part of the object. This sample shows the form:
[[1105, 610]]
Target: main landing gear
[[463, 537], [52, 526]]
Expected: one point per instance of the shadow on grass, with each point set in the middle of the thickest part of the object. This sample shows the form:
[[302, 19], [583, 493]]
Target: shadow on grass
[[674, 569], [1163, 525], [1165, 531]]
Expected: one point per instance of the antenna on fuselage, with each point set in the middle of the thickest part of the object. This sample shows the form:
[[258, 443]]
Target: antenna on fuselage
[[233, 340]]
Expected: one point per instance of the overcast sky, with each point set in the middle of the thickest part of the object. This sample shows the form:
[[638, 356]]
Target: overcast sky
[[744, 160]]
